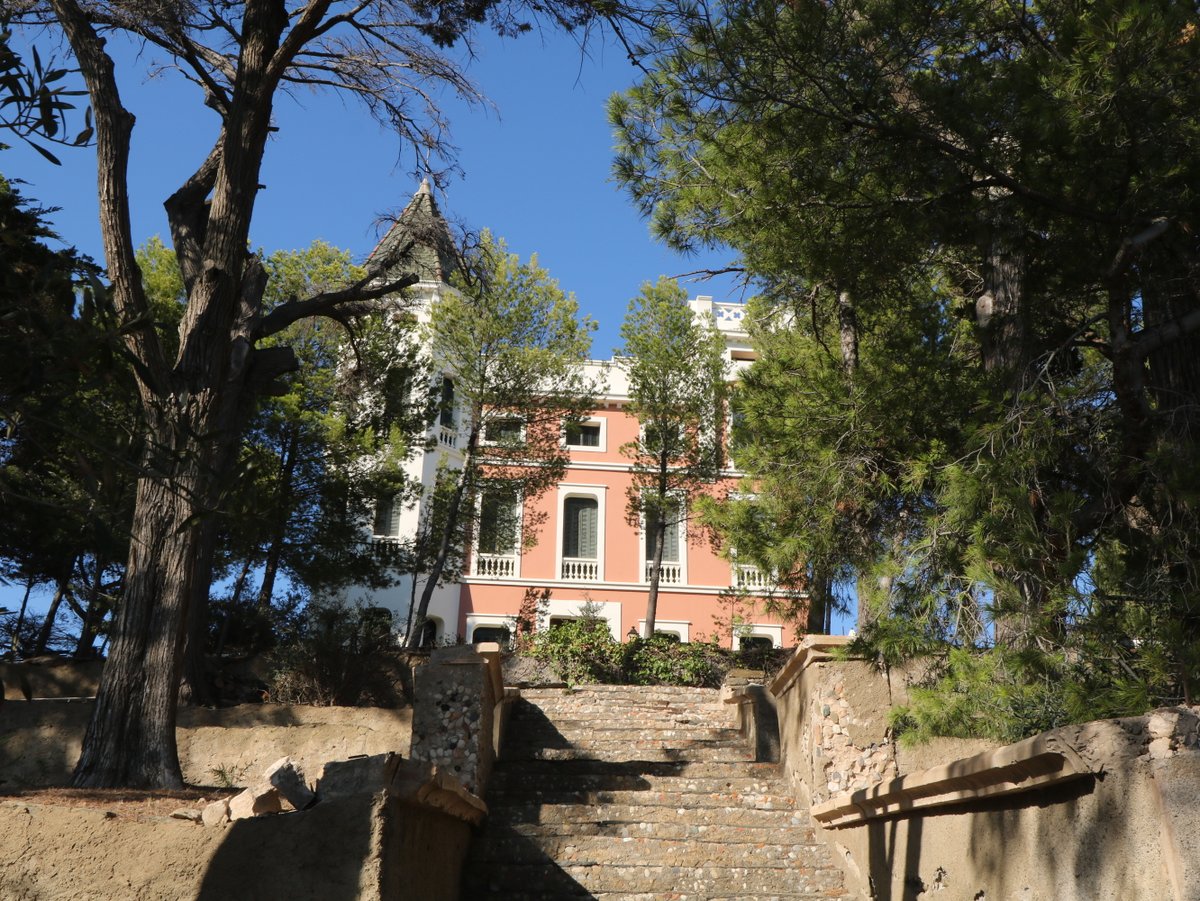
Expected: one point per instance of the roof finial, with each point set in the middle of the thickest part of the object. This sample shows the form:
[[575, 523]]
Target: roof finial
[[424, 189]]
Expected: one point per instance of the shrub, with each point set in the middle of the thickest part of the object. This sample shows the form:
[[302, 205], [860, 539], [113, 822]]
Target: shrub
[[581, 650], [664, 660], [332, 655]]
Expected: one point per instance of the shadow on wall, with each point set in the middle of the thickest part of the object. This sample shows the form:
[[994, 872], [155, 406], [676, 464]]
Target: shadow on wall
[[999, 841], [322, 854]]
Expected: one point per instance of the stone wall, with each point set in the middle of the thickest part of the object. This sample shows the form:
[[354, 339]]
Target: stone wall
[[40, 740], [833, 723], [1097, 811], [458, 694]]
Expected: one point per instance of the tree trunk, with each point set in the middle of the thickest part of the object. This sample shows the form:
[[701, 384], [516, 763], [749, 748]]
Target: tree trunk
[[817, 616], [17, 650], [275, 550], [660, 531], [43, 636], [848, 332], [194, 688], [449, 530], [1000, 311], [93, 614], [131, 738]]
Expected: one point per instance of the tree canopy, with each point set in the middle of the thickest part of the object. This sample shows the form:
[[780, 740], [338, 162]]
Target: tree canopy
[[675, 363], [511, 345], [973, 230]]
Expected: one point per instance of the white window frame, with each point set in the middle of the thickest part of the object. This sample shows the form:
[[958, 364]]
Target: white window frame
[[599, 494], [680, 627], [683, 551], [601, 421], [490, 621], [609, 611], [758, 630], [501, 417], [517, 548]]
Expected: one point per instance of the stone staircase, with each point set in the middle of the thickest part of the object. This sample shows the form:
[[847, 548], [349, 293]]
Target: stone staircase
[[621, 792]]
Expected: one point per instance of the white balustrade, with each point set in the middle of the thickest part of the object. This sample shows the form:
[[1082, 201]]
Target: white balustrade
[[668, 573], [495, 566], [750, 578], [447, 437], [577, 569]]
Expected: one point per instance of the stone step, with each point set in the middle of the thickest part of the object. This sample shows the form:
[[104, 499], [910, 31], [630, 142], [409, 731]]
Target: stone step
[[508, 783], [651, 896], [620, 752], [765, 832], [631, 879], [673, 799], [728, 769], [657, 821], [639, 692], [574, 731], [593, 850]]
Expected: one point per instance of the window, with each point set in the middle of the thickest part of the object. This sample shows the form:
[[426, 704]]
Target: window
[[504, 430], [662, 436], [397, 384], [498, 634], [580, 527], [428, 635], [499, 521], [670, 542], [387, 517], [755, 643], [446, 407], [583, 434]]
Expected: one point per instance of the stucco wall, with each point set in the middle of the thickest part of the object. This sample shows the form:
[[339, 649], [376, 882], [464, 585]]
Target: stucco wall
[[1120, 825], [40, 740]]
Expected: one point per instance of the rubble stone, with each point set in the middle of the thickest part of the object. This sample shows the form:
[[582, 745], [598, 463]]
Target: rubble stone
[[286, 776], [255, 801], [216, 813]]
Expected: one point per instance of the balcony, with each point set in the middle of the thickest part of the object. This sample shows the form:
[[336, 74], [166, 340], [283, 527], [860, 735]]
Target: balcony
[[389, 551], [495, 566], [668, 573], [447, 437], [579, 569], [750, 578]]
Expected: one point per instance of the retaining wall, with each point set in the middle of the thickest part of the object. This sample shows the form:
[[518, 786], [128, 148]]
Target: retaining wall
[[1098, 811]]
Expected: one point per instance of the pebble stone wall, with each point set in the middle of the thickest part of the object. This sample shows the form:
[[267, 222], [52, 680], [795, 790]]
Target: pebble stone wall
[[452, 716], [841, 757]]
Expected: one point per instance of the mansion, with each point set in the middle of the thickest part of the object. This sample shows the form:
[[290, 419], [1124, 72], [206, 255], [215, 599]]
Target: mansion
[[585, 551]]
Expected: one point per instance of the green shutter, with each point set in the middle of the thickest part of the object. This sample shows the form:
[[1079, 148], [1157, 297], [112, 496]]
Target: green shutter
[[581, 528]]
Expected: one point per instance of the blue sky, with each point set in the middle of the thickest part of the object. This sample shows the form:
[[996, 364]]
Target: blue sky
[[535, 170]]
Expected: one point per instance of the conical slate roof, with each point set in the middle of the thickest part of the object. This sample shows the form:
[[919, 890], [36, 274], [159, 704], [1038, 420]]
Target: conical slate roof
[[421, 223]]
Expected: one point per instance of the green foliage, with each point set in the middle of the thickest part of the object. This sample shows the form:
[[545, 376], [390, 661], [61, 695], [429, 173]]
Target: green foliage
[[661, 660], [976, 393], [228, 775], [71, 433], [513, 344], [584, 651], [581, 650], [999, 694], [676, 370], [34, 99]]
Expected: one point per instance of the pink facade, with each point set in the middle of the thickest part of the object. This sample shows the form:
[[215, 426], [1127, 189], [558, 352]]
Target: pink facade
[[697, 588]]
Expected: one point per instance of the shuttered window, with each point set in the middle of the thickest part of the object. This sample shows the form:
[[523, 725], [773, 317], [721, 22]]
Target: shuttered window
[[580, 527], [670, 543], [499, 516], [387, 517]]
